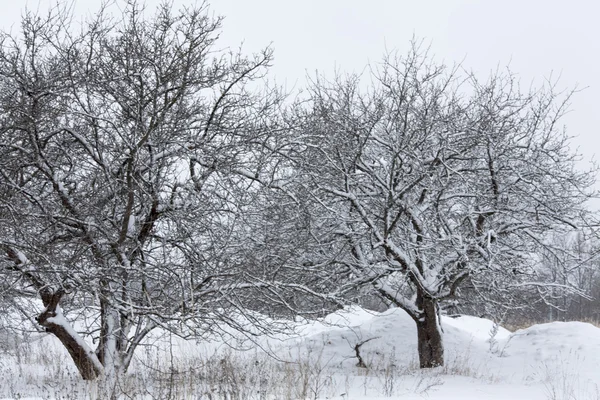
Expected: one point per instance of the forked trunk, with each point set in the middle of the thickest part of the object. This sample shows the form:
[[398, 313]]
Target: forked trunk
[[112, 356], [430, 344]]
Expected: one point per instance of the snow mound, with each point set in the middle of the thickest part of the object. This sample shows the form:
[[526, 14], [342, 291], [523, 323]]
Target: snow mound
[[479, 328], [541, 353], [387, 338], [556, 348]]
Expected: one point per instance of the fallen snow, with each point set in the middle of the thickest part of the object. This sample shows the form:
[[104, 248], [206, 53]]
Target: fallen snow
[[549, 361], [557, 360], [478, 327]]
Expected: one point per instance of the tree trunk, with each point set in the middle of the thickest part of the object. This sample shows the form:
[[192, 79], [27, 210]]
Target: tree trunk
[[54, 322], [82, 357], [430, 344], [109, 349]]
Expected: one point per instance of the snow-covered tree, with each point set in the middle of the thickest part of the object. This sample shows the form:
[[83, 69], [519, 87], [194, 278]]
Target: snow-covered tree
[[431, 176], [130, 151]]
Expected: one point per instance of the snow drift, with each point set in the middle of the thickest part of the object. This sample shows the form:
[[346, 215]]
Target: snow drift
[[483, 361]]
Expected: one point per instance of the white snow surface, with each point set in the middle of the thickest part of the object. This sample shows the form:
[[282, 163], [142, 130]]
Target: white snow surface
[[554, 361], [478, 327], [559, 360]]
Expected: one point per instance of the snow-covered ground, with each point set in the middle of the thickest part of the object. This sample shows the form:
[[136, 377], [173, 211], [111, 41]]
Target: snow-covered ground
[[549, 361]]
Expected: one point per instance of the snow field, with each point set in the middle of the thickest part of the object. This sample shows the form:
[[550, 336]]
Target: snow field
[[553, 361]]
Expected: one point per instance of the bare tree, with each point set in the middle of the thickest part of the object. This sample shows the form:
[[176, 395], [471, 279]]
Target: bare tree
[[565, 272], [569, 262], [130, 151], [431, 176]]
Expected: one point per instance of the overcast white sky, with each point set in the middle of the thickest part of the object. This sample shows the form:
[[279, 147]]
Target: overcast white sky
[[537, 38]]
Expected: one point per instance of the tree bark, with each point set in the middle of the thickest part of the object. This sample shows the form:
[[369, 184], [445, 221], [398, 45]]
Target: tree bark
[[109, 350], [84, 358], [430, 343], [81, 356], [53, 321]]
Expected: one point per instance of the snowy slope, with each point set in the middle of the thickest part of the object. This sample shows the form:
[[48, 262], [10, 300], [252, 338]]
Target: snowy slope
[[553, 361], [556, 360]]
